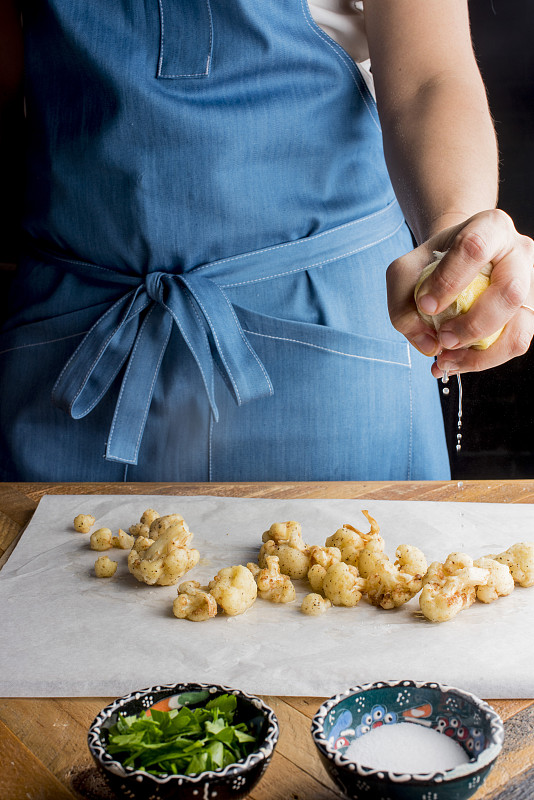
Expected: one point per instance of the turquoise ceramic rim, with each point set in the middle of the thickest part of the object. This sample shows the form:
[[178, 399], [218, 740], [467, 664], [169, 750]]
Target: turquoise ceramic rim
[[485, 758]]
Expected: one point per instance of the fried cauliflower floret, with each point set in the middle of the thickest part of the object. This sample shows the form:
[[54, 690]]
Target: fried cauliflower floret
[[411, 560], [254, 568], [284, 533], [450, 587], [175, 521], [321, 558], [83, 523], [194, 603], [500, 581], [101, 539], [342, 585], [142, 528], [162, 561], [139, 529], [351, 541], [272, 585], [314, 605], [234, 589], [393, 584], [325, 556], [123, 540], [316, 576], [148, 517], [105, 567], [371, 557], [284, 539], [520, 559]]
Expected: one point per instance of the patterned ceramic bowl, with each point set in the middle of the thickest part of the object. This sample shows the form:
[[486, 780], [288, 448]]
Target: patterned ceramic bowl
[[469, 721], [233, 781]]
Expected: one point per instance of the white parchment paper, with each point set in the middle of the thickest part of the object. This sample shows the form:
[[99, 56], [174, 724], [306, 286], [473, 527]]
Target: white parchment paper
[[67, 633]]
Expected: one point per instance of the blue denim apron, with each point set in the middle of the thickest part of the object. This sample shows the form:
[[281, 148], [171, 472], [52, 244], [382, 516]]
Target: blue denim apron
[[208, 222]]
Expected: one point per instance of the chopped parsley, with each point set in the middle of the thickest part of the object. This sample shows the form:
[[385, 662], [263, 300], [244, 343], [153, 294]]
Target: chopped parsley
[[182, 741]]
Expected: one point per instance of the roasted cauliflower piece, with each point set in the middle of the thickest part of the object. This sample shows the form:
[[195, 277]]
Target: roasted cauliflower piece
[[175, 521], [272, 584], [411, 560], [194, 603], [321, 558], [148, 517], [123, 540], [520, 560], [284, 539], [316, 576], [234, 589], [139, 529], [142, 528], [500, 581], [83, 523], [101, 539], [342, 585], [284, 533], [325, 556], [314, 605], [371, 557], [163, 561], [450, 587], [351, 541], [105, 567], [393, 584]]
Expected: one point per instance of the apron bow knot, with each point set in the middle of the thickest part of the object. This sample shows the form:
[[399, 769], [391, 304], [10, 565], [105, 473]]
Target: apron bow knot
[[136, 329]]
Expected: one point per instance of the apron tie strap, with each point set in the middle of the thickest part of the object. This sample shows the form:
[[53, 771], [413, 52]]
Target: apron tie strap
[[137, 329]]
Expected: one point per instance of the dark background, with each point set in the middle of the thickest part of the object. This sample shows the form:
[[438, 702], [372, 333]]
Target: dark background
[[498, 405], [498, 414]]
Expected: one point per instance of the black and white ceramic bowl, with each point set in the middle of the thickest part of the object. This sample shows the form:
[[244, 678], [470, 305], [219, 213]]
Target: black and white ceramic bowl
[[470, 721], [233, 781]]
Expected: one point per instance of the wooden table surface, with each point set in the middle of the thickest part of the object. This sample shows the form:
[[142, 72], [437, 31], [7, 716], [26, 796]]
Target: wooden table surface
[[43, 741]]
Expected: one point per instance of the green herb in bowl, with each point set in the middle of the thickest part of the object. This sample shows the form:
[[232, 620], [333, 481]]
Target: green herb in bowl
[[183, 741]]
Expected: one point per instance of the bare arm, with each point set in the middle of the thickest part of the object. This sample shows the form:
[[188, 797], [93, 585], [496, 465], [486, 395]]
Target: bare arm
[[442, 156]]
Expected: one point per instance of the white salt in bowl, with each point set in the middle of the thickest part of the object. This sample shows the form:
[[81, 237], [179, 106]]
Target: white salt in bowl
[[411, 763]]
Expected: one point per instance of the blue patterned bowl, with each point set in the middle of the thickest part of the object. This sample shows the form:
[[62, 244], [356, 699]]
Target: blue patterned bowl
[[461, 715], [231, 782]]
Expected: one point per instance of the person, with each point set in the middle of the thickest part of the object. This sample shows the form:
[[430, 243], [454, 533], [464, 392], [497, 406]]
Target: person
[[213, 199]]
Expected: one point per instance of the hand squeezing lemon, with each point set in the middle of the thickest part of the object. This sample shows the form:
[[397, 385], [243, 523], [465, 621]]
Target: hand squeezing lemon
[[462, 303]]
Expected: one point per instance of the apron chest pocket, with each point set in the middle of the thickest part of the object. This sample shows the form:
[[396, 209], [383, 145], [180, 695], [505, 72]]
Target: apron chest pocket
[[186, 39]]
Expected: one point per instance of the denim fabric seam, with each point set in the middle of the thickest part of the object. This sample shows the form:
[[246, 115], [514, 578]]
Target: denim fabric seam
[[97, 399], [204, 74], [187, 340], [342, 55], [330, 350], [78, 263], [247, 343], [410, 439], [317, 264], [97, 359], [147, 406], [314, 238], [37, 344]]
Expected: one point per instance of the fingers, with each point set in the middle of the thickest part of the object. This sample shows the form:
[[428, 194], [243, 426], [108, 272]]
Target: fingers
[[510, 285], [513, 342], [401, 277], [487, 236]]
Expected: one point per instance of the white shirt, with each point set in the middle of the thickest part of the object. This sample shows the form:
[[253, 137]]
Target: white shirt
[[344, 22]]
